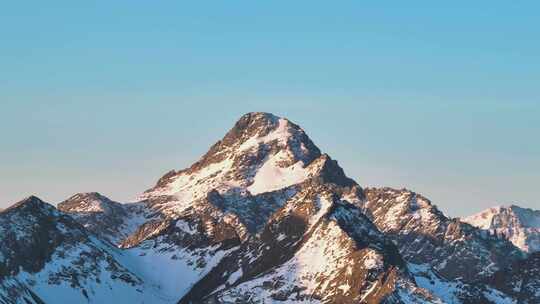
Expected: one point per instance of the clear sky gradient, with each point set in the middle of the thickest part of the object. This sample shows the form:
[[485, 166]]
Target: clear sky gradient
[[440, 98]]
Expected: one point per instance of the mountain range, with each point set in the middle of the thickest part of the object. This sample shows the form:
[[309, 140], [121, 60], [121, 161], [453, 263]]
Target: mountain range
[[265, 217]]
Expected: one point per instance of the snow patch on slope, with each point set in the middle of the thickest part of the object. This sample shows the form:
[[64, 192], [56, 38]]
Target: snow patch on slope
[[445, 290], [173, 270], [188, 187], [272, 177], [71, 266], [281, 134]]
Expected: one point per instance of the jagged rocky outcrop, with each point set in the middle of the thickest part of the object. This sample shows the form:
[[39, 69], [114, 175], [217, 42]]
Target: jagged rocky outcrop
[[109, 219], [519, 225], [425, 235], [263, 217]]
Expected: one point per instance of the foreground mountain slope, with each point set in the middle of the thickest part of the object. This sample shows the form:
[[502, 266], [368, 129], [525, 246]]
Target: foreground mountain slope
[[318, 248], [446, 256], [46, 256], [519, 225]]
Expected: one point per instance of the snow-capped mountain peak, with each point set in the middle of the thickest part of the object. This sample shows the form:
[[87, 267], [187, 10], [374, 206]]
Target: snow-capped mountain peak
[[255, 129], [261, 153], [253, 138], [519, 225]]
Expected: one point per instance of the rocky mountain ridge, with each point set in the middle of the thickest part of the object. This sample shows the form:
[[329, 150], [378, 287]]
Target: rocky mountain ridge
[[519, 225], [263, 217]]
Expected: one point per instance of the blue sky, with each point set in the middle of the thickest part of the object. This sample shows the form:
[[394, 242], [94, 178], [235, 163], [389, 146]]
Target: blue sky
[[107, 96]]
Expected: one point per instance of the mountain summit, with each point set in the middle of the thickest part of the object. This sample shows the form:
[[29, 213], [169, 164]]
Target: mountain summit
[[262, 153], [257, 142]]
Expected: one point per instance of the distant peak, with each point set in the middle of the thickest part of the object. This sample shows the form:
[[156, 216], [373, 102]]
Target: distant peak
[[492, 217], [86, 202], [31, 202], [519, 225], [510, 208], [88, 195]]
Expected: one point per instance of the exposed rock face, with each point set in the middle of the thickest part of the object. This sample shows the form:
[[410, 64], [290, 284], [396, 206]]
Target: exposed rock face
[[519, 225], [316, 248], [30, 234], [521, 280], [425, 236], [262, 217]]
